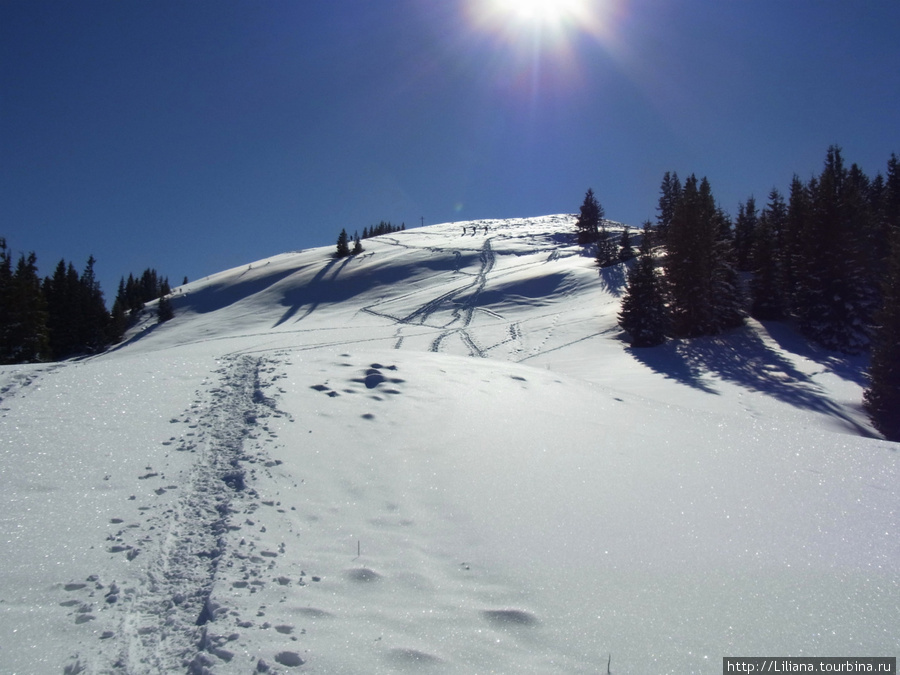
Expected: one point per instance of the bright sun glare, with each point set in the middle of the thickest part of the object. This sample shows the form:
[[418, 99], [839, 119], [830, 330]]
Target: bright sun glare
[[550, 12], [554, 20]]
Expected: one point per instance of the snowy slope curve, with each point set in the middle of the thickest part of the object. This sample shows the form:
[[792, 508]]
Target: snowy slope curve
[[439, 456]]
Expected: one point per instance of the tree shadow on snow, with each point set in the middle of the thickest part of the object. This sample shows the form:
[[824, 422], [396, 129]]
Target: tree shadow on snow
[[613, 279], [741, 357], [847, 367]]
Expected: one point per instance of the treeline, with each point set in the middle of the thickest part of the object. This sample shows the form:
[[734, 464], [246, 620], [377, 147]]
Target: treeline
[[343, 241], [827, 257], [65, 314]]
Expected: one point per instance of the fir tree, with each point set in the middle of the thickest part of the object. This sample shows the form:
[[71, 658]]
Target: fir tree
[[626, 252], [836, 299], [357, 245], [343, 248], [95, 327], [882, 398], [5, 302], [27, 316], [589, 219], [164, 309], [606, 248], [745, 234], [797, 229], [64, 318], [703, 284], [768, 297], [670, 193], [644, 315]]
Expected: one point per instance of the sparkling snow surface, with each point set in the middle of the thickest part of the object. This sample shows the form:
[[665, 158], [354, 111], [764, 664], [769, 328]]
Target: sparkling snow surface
[[439, 456]]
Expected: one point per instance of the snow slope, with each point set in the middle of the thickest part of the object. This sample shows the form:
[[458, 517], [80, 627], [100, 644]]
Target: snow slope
[[439, 456]]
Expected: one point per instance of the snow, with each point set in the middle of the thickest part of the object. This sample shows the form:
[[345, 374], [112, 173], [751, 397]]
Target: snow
[[439, 456]]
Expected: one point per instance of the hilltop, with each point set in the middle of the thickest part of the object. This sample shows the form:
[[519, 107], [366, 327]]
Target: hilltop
[[440, 455]]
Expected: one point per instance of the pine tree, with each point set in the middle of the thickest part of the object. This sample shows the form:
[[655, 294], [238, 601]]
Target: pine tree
[[5, 302], [93, 311], [703, 285], [835, 301], [882, 398], [796, 260], [644, 315], [589, 219], [606, 248], [343, 248], [670, 193], [164, 309], [28, 340], [745, 234], [768, 296], [357, 245], [64, 318], [118, 322], [626, 252]]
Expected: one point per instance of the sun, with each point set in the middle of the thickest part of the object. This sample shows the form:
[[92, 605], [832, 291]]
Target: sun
[[552, 22], [548, 13]]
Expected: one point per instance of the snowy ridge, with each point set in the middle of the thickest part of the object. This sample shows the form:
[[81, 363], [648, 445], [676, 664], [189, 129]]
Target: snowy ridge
[[439, 456]]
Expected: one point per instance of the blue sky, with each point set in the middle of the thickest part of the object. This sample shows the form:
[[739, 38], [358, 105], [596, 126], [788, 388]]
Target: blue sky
[[196, 136]]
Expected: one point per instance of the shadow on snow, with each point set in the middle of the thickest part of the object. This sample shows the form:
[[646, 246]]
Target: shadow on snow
[[741, 357]]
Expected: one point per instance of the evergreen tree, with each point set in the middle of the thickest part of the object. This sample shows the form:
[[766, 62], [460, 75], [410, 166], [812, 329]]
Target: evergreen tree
[[836, 300], [745, 234], [118, 322], [93, 311], [27, 327], [164, 309], [727, 294], [768, 296], [882, 398], [343, 247], [703, 284], [644, 315], [606, 248], [797, 229], [357, 245], [589, 219], [626, 252], [64, 318], [5, 302], [670, 193]]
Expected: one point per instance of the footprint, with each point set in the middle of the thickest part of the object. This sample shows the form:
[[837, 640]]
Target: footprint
[[363, 575], [412, 657], [510, 617], [289, 659]]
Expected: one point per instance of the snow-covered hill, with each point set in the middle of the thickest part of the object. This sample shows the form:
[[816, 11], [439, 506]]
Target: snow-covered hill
[[439, 456]]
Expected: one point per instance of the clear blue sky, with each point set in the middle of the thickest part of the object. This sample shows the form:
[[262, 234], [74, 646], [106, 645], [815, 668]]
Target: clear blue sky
[[193, 136]]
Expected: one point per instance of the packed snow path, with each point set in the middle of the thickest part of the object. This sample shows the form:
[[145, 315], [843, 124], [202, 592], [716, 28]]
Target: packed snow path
[[165, 624]]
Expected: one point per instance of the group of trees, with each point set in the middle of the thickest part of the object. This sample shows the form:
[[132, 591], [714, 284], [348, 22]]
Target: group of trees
[[134, 294], [591, 229], [828, 258], [343, 241], [64, 314]]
